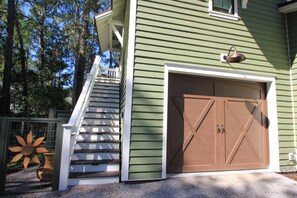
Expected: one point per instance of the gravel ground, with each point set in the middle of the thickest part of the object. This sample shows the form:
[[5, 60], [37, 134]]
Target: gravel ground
[[261, 185]]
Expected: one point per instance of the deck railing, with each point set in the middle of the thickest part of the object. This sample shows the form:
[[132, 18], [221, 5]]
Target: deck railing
[[71, 130], [111, 72]]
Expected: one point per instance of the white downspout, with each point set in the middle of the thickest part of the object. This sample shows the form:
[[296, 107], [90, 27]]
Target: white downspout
[[291, 82]]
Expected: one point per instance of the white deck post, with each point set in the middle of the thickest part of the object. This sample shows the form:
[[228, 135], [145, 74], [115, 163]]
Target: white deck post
[[65, 157]]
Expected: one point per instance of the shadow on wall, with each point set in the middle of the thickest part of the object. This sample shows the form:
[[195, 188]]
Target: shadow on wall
[[267, 27], [291, 18]]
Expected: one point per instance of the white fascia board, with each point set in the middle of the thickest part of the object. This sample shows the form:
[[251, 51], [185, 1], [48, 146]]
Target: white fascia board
[[288, 8], [103, 15], [129, 91]]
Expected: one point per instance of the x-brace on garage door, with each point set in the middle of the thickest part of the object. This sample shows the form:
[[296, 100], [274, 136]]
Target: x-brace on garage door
[[215, 125]]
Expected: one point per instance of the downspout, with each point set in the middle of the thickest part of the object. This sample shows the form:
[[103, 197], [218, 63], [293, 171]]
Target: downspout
[[291, 82]]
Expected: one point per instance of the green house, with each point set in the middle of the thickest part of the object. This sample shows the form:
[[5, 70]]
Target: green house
[[202, 86]]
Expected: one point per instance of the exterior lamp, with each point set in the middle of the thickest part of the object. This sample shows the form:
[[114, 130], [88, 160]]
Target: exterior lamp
[[236, 57]]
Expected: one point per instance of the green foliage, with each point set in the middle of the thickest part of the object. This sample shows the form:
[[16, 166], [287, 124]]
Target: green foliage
[[50, 32]]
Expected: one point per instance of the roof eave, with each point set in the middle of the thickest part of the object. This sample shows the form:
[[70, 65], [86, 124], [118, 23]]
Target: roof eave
[[288, 7], [116, 12]]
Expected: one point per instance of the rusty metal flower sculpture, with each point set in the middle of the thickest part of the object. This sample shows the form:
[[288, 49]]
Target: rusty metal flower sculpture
[[28, 149]]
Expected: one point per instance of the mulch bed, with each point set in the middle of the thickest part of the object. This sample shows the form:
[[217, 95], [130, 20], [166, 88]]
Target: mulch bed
[[291, 175]]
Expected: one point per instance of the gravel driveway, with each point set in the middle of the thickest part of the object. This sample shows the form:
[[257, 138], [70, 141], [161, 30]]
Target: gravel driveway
[[231, 185]]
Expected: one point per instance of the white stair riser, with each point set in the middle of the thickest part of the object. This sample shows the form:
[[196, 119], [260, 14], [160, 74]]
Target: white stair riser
[[93, 181], [115, 82], [102, 115], [98, 137], [105, 95], [108, 84], [109, 100], [100, 122], [103, 104], [102, 87], [99, 129], [94, 168], [106, 78], [98, 92], [95, 156], [97, 146], [103, 109]]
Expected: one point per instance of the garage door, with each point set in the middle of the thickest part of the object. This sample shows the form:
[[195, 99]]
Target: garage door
[[215, 125]]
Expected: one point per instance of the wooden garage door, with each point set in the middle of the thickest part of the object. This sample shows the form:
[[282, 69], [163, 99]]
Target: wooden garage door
[[215, 124]]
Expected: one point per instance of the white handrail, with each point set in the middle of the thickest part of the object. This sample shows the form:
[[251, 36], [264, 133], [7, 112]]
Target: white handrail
[[71, 130]]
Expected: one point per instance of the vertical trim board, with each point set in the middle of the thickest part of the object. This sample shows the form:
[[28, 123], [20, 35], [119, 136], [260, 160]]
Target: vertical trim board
[[129, 91]]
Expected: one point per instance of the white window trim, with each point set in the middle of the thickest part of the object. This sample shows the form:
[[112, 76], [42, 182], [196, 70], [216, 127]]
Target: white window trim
[[224, 15], [274, 164]]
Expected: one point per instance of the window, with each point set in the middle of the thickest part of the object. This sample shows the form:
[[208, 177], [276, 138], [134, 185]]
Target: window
[[224, 8]]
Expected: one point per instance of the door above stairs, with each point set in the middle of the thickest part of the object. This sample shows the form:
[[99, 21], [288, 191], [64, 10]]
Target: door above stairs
[[215, 125]]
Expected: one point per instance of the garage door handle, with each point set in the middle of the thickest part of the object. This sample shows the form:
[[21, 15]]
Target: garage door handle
[[223, 129], [219, 129]]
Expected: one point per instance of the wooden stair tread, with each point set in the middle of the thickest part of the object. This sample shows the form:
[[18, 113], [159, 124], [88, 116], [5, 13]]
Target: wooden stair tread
[[94, 118], [103, 112], [99, 133], [94, 174], [105, 102], [97, 151], [98, 141], [106, 97], [101, 125], [95, 162]]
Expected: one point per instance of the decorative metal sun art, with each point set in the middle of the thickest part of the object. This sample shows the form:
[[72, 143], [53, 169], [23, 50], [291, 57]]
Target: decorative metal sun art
[[28, 149]]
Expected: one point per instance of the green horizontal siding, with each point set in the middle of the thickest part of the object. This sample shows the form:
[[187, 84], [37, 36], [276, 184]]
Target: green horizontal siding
[[182, 31]]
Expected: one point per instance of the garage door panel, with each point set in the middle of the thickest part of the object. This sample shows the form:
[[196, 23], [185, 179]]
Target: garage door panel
[[185, 84], [175, 128], [216, 124], [233, 89], [197, 146], [244, 143], [200, 150]]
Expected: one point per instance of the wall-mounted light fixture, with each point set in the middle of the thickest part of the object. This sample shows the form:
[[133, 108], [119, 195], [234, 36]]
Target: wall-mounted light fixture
[[236, 57]]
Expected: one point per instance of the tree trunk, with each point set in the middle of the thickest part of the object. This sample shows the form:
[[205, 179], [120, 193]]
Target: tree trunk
[[81, 59], [24, 69], [5, 103], [42, 51]]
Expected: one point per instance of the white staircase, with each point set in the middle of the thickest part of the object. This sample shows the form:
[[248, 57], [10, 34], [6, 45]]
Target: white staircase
[[96, 155]]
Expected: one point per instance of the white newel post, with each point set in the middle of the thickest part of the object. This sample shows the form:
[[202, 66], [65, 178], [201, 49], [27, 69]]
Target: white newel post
[[117, 72], [65, 157]]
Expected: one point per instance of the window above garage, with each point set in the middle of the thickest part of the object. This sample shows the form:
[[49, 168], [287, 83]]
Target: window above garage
[[224, 8]]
